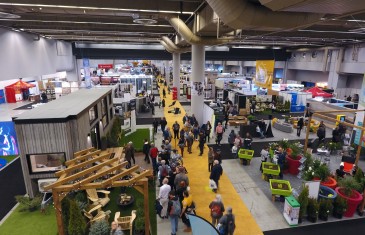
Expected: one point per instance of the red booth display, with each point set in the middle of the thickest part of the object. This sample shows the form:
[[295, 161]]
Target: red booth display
[[318, 92], [17, 88], [174, 93]]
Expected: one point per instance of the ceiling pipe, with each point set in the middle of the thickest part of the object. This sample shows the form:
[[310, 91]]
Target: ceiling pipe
[[172, 50], [242, 14], [191, 38]]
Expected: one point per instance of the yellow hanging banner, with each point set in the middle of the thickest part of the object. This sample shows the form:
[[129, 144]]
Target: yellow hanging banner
[[264, 73]]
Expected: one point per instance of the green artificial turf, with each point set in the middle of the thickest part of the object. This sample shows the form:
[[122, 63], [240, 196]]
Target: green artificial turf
[[30, 223], [137, 138], [9, 158]]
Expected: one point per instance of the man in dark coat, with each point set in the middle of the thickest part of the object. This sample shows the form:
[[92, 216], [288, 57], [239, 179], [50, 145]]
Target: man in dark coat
[[216, 173], [155, 125]]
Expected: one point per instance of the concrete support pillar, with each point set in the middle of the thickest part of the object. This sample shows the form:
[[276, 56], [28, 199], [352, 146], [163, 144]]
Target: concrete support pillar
[[176, 72], [197, 74]]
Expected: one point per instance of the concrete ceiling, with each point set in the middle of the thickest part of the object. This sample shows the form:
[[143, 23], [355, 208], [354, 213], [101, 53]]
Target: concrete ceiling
[[114, 21]]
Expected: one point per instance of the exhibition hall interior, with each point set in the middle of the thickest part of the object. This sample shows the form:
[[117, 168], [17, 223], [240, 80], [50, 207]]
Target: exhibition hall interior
[[182, 117]]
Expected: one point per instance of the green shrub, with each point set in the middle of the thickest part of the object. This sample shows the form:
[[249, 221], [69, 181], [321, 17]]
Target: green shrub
[[340, 205], [348, 184], [322, 172], [77, 224], [359, 177], [65, 206], [313, 208], [303, 201], [325, 208], [81, 196], [99, 228], [28, 204]]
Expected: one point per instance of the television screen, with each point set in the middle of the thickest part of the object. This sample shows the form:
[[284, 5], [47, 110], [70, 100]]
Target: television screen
[[45, 162], [8, 141]]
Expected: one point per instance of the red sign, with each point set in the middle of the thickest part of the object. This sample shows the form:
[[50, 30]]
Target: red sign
[[105, 66]]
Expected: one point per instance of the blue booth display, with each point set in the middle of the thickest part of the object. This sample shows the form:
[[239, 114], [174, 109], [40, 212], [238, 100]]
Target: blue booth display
[[2, 96]]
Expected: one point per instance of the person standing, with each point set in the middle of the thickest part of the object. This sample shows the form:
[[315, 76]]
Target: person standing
[[216, 209], [164, 93], [153, 154], [163, 124], [181, 145], [116, 229], [190, 141], [219, 132], [281, 161], [163, 170], [228, 222], [264, 155], [208, 129], [259, 132], [163, 196], [146, 150], [186, 204], [321, 134], [300, 125], [152, 105], [181, 177], [155, 125], [216, 173], [231, 138], [163, 103], [176, 129], [247, 141], [174, 211], [129, 154]]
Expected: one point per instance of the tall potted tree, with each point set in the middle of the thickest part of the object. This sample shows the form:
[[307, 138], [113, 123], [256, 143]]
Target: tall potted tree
[[303, 201], [325, 209], [347, 189], [312, 210], [339, 207]]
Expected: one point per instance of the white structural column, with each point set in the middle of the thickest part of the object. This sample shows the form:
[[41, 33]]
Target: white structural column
[[176, 72], [197, 74]]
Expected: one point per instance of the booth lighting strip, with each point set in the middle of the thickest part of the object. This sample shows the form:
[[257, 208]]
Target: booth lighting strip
[[95, 8]]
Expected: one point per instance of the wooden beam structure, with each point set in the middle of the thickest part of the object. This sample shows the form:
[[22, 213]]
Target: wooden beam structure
[[81, 173]]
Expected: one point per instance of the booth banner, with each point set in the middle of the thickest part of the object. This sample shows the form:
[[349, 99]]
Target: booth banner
[[264, 73], [86, 65], [105, 66], [362, 93], [197, 88], [358, 138]]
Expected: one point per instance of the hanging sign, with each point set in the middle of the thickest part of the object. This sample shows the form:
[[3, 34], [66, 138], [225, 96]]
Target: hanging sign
[[105, 66], [264, 73]]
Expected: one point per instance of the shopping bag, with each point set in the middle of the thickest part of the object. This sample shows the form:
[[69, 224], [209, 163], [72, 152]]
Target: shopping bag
[[234, 149], [212, 184]]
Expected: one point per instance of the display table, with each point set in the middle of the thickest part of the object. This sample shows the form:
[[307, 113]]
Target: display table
[[245, 154], [269, 168], [280, 187], [291, 211], [34, 98], [283, 126]]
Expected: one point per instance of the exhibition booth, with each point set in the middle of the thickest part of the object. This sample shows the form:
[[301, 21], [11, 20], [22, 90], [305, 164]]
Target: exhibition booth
[[18, 91]]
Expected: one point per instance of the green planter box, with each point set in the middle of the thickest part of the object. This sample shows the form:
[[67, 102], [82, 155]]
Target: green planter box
[[280, 187], [269, 168], [245, 154]]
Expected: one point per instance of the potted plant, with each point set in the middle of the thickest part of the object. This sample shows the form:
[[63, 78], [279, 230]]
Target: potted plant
[[327, 193], [347, 189], [325, 209], [340, 206], [99, 228], [312, 210], [323, 174], [293, 158], [303, 201]]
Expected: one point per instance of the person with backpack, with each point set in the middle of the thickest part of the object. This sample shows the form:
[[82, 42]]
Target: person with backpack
[[216, 173], [227, 223], [174, 211], [163, 171], [216, 209], [163, 196]]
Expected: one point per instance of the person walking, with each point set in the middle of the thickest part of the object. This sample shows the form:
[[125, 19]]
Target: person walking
[[146, 151], [228, 222], [163, 124], [163, 93], [174, 211], [155, 125], [181, 144], [163, 197], [300, 125], [201, 142], [163, 103], [153, 154], [216, 173], [210, 158], [219, 132], [216, 209], [264, 156], [231, 138], [176, 129]]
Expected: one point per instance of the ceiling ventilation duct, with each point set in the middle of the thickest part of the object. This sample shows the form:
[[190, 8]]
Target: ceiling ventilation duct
[[4, 15], [172, 48], [191, 38], [241, 14]]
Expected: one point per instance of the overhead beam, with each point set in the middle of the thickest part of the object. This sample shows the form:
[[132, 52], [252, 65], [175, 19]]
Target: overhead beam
[[82, 164], [81, 157]]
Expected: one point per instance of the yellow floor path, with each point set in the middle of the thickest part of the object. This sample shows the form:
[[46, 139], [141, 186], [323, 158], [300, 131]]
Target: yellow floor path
[[198, 174]]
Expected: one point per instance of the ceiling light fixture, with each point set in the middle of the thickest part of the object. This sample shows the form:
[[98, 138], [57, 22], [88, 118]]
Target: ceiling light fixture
[[5, 15], [145, 21], [329, 31], [250, 47], [95, 8]]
